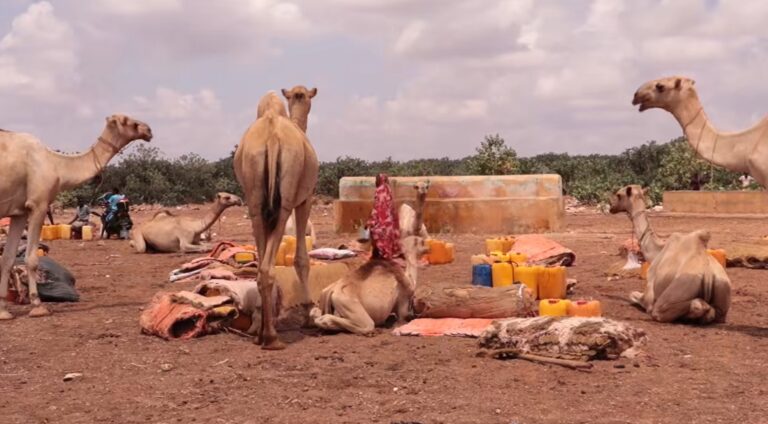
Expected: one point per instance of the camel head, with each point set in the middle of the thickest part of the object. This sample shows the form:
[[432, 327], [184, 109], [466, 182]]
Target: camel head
[[665, 93], [227, 200], [299, 103], [630, 199], [126, 129], [421, 187]]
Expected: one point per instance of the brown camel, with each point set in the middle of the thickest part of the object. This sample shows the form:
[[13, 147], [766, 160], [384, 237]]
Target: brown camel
[[686, 283], [277, 168], [167, 232], [744, 151], [632, 200], [367, 296], [32, 177]]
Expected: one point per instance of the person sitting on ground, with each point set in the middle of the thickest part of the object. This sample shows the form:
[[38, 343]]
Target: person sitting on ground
[[82, 218], [383, 225]]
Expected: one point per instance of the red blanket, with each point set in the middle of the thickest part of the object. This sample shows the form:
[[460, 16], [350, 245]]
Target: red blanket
[[543, 251]]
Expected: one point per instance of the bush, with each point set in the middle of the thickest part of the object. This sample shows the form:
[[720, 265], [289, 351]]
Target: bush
[[147, 176]]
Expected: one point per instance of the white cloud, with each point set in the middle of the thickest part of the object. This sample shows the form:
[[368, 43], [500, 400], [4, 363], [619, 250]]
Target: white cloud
[[396, 77], [38, 56]]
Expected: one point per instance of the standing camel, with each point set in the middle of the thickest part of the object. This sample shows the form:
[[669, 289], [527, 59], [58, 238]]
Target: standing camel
[[744, 151], [32, 177], [277, 168]]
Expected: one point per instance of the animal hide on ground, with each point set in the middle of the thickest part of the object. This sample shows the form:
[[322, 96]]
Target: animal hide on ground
[[171, 319], [541, 250], [564, 337]]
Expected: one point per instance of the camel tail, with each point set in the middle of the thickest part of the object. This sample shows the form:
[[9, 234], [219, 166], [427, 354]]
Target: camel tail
[[270, 207]]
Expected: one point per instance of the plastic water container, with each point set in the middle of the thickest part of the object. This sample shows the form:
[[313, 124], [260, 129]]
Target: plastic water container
[[718, 254], [507, 243], [65, 231], [289, 259], [290, 244], [552, 283], [584, 308], [87, 232], [502, 274], [479, 259], [528, 275], [49, 232], [482, 275], [553, 307], [517, 257], [280, 256], [440, 252], [493, 245], [499, 256], [244, 257]]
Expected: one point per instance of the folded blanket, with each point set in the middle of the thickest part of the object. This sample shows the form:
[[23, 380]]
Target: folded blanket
[[541, 250], [470, 327]]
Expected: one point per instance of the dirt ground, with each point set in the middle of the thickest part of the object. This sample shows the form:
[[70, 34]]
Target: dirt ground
[[691, 374]]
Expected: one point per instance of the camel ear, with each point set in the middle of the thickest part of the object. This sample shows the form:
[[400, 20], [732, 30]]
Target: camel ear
[[312, 93], [678, 84], [645, 191], [629, 191], [286, 93]]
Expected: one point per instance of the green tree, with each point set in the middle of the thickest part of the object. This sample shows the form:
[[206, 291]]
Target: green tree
[[493, 157]]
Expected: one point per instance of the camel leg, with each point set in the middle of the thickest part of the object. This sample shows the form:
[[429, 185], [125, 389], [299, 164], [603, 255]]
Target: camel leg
[[721, 297], [34, 226], [186, 247], [138, 242], [9, 254], [677, 301], [301, 259], [350, 315], [269, 338]]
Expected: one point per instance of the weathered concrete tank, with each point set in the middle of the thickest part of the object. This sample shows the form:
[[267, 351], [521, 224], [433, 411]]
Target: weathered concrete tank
[[716, 202], [498, 204]]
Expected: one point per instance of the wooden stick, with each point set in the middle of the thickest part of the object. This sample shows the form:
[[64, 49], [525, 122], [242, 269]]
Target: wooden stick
[[576, 365]]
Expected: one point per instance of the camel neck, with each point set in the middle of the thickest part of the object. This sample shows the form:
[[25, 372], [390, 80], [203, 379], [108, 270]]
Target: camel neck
[[420, 197], [729, 150], [646, 238], [74, 170], [209, 219], [299, 114]]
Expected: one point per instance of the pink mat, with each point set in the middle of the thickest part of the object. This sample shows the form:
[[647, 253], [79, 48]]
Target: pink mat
[[458, 327], [543, 251]]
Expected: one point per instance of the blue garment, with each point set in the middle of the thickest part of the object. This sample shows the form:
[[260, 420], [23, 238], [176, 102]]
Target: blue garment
[[112, 202]]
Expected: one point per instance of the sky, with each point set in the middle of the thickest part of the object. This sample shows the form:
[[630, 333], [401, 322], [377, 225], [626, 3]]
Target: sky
[[396, 78]]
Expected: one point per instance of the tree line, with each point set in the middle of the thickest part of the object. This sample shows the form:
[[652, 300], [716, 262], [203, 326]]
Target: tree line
[[147, 176]]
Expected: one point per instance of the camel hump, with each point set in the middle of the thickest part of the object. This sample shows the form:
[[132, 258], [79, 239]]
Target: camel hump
[[165, 212], [703, 235], [271, 104]]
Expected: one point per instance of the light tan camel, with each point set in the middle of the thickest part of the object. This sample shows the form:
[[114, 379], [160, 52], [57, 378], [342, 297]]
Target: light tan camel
[[411, 219], [686, 283], [299, 104], [277, 168], [167, 232], [33, 175], [744, 151], [367, 296], [632, 200]]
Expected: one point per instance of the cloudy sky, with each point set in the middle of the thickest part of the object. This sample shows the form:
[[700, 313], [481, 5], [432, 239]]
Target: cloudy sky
[[400, 78]]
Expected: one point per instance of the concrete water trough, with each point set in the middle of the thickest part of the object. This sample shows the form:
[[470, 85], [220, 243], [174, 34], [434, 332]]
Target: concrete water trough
[[716, 202], [499, 204]]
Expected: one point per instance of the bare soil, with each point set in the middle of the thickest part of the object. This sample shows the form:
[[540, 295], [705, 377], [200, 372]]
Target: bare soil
[[691, 374]]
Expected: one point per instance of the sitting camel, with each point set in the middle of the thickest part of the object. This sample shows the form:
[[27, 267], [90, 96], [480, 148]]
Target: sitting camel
[[167, 232], [632, 200], [683, 279], [685, 282], [411, 219], [367, 296]]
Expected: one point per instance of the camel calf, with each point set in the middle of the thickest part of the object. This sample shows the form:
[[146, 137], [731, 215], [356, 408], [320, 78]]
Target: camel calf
[[686, 283], [367, 296]]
